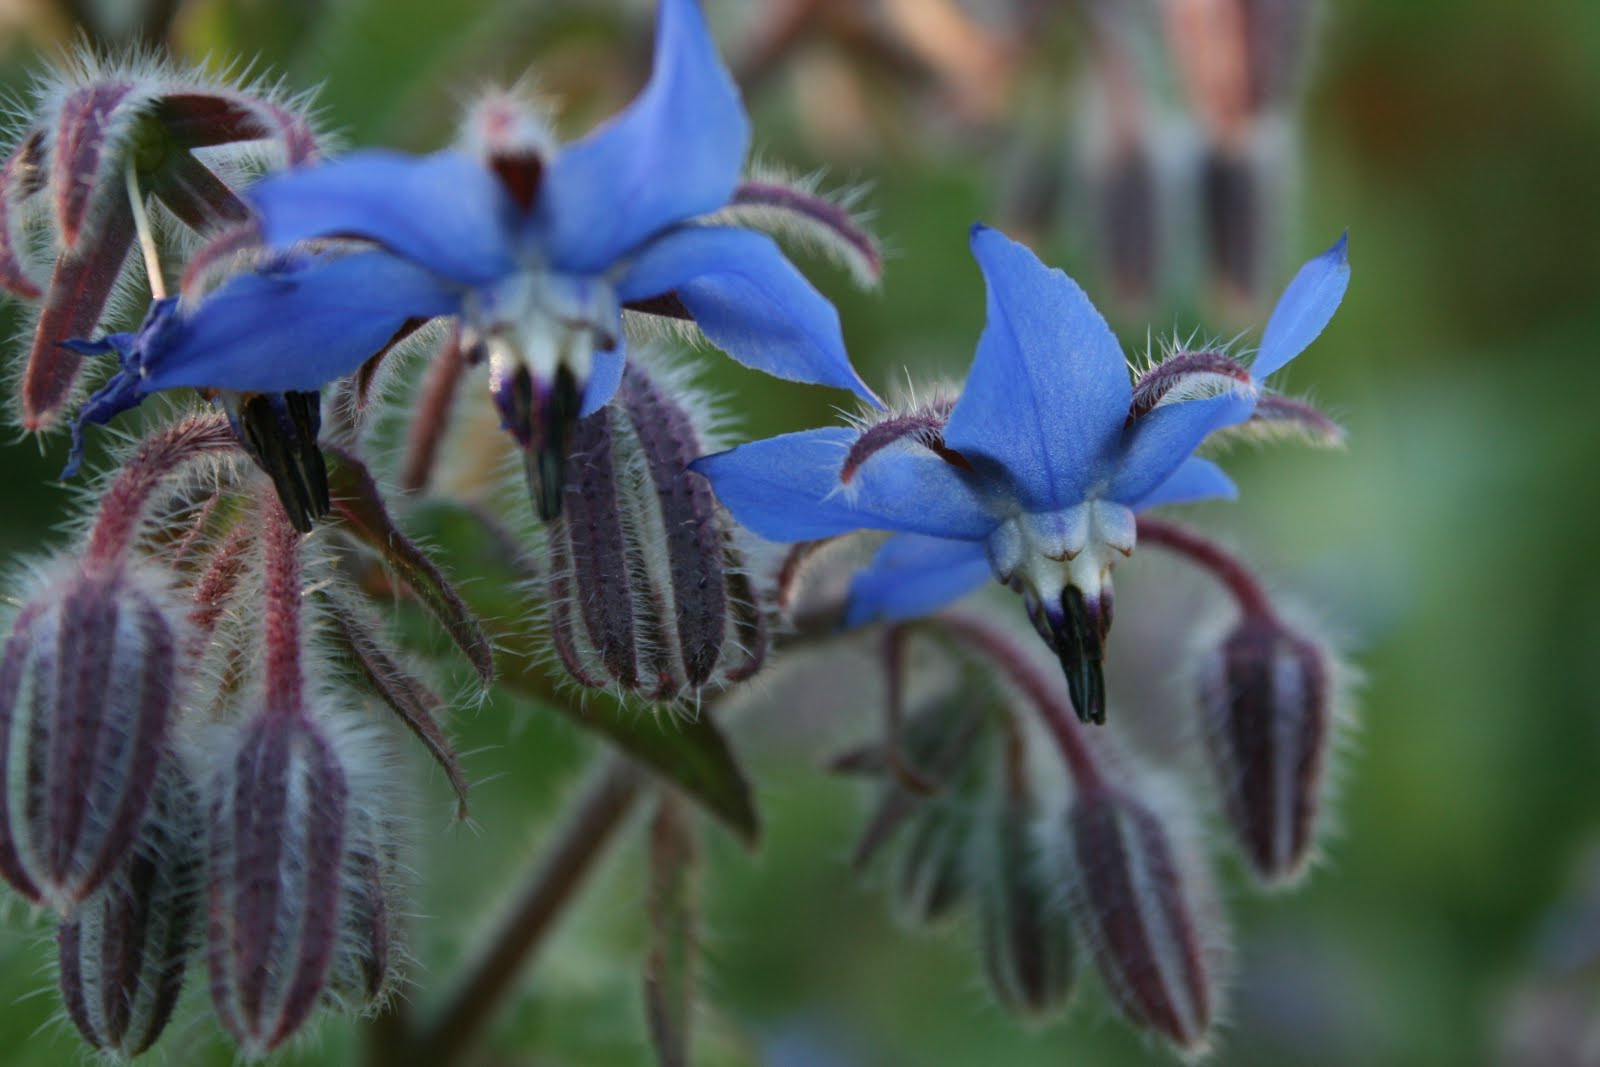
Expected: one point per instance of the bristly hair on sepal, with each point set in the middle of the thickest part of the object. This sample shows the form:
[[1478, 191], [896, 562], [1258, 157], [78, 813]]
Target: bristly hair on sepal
[[648, 591]]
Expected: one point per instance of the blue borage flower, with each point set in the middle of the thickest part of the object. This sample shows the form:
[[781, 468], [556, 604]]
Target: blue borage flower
[[1033, 476], [539, 247]]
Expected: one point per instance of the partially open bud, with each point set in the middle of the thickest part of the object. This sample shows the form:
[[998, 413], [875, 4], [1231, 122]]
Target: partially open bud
[[1025, 932], [102, 131], [646, 590], [123, 952], [88, 689], [1265, 695], [275, 864], [1139, 908]]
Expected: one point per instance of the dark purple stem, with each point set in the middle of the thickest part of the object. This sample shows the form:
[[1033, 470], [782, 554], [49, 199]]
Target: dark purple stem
[[432, 417], [1015, 666], [281, 592], [549, 887], [1210, 557], [123, 506]]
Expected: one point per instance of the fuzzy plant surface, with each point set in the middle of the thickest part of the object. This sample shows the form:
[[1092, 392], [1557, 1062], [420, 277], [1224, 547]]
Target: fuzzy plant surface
[[302, 555]]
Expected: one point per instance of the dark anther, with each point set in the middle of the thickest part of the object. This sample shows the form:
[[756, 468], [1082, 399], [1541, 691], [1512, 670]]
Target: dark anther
[[279, 430]]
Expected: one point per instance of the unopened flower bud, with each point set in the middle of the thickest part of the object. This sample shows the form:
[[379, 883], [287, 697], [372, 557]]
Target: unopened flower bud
[[1139, 908], [647, 590], [1266, 701], [275, 861], [124, 951], [1025, 933], [88, 688], [364, 965], [933, 877]]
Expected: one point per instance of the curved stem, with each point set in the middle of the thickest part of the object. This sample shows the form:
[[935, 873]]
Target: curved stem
[[550, 885], [123, 504], [427, 428], [1015, 666], [1210, 557]]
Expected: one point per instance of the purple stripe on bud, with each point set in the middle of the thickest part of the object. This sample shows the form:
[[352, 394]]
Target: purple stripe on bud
[[1024, 934], [363, 971], [1136, 909], [275, 859], [77, 295], [690, 524], [197, 196], [124, 951], [78, 158], [602, 580], [87, 692], [20, 178], [1265, 697], [647, 590]]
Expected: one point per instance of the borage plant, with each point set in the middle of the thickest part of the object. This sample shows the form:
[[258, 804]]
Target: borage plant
[[189, 769]]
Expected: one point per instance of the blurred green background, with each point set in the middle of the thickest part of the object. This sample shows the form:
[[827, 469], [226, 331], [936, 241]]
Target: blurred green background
[[1451, 546]]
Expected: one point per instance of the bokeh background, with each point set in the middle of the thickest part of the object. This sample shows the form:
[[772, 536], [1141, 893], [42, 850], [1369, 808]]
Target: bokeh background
[[1450, 547]]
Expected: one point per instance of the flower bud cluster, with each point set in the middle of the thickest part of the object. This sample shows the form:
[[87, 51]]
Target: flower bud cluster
[[1114, 867], [169, 760]]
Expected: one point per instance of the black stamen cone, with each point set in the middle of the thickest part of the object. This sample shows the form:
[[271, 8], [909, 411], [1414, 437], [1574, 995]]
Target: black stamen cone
[[548, 459], [1078, 635], [280, 430]]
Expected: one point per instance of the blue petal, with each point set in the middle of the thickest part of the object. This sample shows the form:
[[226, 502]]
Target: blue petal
[[1195, 479], [1159, 442], [787, 489], [604, 377], [1049, 391], [674, 153], [912, 576], [444, 211], [296, 330], [1304, 309], [749, 301]]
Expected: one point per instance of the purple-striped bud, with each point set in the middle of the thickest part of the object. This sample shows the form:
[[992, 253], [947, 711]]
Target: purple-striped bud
[[124, 951], [647, 591], [88, 689], [1266, 699], [365, 969], [1025, 932], [1142, 911], [276, 858]]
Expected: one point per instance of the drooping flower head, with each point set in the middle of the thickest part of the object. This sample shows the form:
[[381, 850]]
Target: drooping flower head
[[539, 246], [1035, 473]]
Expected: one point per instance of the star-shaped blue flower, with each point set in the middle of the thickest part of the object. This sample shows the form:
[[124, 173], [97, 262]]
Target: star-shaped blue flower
[[251, 334], [1036, 473], [540, 246]]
